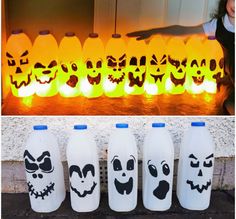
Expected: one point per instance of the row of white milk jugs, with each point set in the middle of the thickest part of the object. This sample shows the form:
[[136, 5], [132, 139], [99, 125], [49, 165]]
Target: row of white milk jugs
[[45, 177]]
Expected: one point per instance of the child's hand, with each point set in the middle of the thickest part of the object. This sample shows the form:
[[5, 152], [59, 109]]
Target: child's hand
[[141, 35]]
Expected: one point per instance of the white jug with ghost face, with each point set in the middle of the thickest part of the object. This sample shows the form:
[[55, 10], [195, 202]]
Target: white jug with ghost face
[[158, 164], [195, 170], [44, 171], [122, 164], [83, 164]]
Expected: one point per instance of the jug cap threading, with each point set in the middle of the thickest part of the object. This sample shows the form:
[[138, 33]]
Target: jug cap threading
[[122, 125], [198, 124], [80, 127], [158, 125], [40, 127]]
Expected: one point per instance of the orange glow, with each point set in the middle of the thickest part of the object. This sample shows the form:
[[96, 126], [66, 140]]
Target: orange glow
[[27, 101], [208, 98]]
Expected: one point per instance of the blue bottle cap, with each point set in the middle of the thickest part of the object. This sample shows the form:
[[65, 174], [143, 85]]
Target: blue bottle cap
[[40, 127], [80, 127], [198, 124], [158, 125], [44, 32], [122, 125]]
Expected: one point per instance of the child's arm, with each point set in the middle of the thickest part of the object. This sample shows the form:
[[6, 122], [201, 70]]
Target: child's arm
[[170, 30]]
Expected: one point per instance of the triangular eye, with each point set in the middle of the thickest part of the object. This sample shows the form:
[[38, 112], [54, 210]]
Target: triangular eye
[[194, 62], [153, 62]]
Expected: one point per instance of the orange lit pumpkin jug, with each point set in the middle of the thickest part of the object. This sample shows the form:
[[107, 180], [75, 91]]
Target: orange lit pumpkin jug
[[93, 61], [115, 74], [214, 63], [70, 69], [176, 66], [18, 66], [156, 67], [196, 66], [45, 64], [136, 69]]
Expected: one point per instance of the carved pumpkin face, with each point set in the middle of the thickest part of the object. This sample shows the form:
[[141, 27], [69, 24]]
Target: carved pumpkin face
[[156, 66], [45, 64], [70, 70], [136, 70], [93, 59], [196, 66], [18, 51], [176, 65], [214, 63]]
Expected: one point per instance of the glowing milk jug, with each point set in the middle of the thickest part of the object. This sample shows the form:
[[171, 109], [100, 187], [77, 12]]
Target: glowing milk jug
[[44, 170], [122, 164], [115, 74], [18, 66], [195, 169], [83, 164], [70, 69], [93, 62], [214, 63], [158, 165], [136, 67], [156, 66], [45, 64], [196, 65], [176, 65]]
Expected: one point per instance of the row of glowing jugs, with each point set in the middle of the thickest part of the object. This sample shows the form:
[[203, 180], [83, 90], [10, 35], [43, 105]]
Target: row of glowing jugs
[[45, 178], [171, 67]]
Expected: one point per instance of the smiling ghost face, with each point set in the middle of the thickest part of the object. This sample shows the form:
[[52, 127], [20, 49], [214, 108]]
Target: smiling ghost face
[[201, 177], [124, 175], [162, 176], [38, 175], [85, 178], [70, 75]]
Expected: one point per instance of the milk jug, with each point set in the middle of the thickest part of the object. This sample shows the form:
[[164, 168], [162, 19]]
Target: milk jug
[[195, 170], [122, 164], [83, 164], [44, 170], [158, 164]]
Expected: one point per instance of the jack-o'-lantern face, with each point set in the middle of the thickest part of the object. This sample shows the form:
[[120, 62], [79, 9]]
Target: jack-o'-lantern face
[[176, 61], [85, 180], [197, 70], [216, 67], [94, 71], [200, 179], [70, 73], [18, 51]]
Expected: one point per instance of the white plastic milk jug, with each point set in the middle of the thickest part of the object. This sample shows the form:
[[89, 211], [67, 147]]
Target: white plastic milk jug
[[158, 164], [122, 164], [44, 170], [83, 164], [195, 170]]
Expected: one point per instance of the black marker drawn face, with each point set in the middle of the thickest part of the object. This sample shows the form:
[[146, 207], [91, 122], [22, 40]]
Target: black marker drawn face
[[160, 175], [202, 171], [69, 73], [216, 68], [38, 169], [93, 71], [124, 175], [197, 70], [85, 176]]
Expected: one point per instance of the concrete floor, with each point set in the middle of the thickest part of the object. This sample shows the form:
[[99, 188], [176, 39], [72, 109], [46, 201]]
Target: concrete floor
[[17, 206]]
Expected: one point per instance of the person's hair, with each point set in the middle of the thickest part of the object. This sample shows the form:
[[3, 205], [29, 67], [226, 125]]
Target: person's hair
[[221, 10]]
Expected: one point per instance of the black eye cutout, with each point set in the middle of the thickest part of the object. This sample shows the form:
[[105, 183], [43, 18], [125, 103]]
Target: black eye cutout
[[212, 64], [166, 169], [163, 62], [173, 62], [89, 64], [76, 169], [153, 170], [88, 168], [74, 67], [209, 164], [52, 64], [117, 165], [24, 61], [39, 65], [122, 64], [133, 61], [99, 64], [184, 62], [130, 164], [143, 60], [194, 62], [11, 62], [111, 63], [221, 63], [153, 62], [194, 165], [30, 167], [64, 68], [46, 166]]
